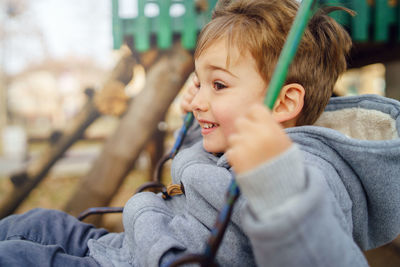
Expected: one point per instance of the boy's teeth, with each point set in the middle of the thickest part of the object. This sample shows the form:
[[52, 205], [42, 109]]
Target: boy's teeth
[[208, 125]]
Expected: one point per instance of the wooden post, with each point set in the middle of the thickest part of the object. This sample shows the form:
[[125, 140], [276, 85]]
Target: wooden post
[[163, 81]]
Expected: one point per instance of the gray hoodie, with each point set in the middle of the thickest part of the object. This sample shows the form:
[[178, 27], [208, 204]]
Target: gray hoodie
[[333, 194], [158, 231], [316, 204]]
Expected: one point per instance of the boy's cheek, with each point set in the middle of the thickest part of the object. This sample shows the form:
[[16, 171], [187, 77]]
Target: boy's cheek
[[228, 131]]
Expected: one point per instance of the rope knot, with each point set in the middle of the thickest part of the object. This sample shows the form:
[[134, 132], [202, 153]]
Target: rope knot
[[173, 190]]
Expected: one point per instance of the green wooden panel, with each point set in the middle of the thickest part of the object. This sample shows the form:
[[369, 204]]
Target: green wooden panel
[[340, 16], [164, 31], [142, 29], [117, 26], [211, 5], [392, 6], [163, 26], [385, 15], [189, 33], [361, 22]]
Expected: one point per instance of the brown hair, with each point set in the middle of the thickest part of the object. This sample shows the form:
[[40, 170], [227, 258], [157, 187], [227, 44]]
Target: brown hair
[[261, 27]]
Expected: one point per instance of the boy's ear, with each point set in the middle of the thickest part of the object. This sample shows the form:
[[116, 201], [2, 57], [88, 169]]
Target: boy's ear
[[289, 104]]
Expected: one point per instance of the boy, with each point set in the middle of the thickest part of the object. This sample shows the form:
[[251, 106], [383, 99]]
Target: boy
[[335, 194], [297, 215]]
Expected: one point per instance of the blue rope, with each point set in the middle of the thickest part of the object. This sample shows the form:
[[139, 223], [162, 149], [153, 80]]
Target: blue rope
[[222, 222], [187, 122]]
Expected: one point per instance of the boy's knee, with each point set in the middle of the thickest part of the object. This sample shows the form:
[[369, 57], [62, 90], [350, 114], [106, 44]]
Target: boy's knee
[[30, 225], [26, 253]]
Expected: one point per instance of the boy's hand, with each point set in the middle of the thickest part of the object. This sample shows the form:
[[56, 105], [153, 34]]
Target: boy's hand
[[186, 103], [257, 138]]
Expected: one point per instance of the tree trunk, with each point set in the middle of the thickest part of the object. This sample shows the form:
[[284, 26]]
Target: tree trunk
[[163, 81]]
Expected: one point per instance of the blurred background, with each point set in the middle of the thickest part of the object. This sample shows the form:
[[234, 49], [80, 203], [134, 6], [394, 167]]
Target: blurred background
[[50, 52], [89, 92]]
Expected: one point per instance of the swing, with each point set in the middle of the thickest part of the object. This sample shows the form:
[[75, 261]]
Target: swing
[[287, 55]]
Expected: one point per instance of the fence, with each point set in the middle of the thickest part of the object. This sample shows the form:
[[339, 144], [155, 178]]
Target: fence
[[164, 21], [158, 21], [376, 20]]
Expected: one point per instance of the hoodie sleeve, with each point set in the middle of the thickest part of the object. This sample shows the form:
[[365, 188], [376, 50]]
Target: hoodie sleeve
[[290, 219]]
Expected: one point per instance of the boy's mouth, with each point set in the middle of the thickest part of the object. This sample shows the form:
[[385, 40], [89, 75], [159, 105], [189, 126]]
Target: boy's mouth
[[207, 126]]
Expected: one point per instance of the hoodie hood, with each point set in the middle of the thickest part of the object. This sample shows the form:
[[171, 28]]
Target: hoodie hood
[[359, 137]]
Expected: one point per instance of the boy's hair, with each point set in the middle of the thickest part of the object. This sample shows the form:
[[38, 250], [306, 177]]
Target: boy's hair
[[261, 27]]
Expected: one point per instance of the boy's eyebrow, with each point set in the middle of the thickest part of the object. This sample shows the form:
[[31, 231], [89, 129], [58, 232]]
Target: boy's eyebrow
[[213, 67]]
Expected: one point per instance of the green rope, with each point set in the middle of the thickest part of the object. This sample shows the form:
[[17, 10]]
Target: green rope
[[288, 52]]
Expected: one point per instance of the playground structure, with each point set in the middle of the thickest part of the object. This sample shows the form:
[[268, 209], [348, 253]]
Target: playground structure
[[163, 45], [168, 66], [164, 26], [375, 29], [374, 21]]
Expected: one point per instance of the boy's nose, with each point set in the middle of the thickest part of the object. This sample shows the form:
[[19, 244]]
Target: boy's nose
[[199, 102]]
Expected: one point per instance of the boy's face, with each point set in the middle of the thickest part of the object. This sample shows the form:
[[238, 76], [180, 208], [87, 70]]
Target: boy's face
[[225, 92]]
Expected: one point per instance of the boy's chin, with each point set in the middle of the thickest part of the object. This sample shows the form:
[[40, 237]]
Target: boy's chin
[[211, 148]]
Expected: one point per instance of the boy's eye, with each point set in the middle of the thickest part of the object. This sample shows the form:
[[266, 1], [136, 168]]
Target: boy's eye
[[219, 85]]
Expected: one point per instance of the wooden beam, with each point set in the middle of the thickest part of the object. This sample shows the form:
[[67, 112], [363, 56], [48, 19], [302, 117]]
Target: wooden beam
[[163, 81]]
